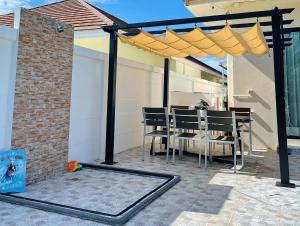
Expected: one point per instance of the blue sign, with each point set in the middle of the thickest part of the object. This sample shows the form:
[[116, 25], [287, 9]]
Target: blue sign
[[12, 171]]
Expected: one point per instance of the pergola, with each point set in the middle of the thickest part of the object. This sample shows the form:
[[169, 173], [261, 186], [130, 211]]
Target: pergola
[[277, 41]]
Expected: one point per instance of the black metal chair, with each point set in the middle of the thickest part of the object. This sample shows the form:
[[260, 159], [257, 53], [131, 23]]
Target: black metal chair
[[158, 120], [184, 121], [182, 107], [223, 121], [162, 140], [244, 112]]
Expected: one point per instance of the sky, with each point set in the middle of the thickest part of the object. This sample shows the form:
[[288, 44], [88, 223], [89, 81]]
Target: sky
[[128, 10]]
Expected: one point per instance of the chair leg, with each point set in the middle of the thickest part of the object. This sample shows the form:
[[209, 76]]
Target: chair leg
[[168, 142], [173, 149], [200, 152], [223, 149], [242, 149], [160, 144], [250, 139], [205, 157], [143, 154], [210, 151], [234, 155], [153, 150], [180, 148], [213, 145]]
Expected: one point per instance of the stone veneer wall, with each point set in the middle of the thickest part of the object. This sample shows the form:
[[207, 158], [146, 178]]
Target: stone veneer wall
[[43, 94]]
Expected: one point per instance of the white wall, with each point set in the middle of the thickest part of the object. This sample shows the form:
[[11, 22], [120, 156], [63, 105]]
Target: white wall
[[255, 74], [138, 85], [86, 105], [8, 58], [186, 90]]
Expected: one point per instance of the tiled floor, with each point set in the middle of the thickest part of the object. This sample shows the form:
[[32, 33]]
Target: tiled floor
[[82, 189], [215, 196]]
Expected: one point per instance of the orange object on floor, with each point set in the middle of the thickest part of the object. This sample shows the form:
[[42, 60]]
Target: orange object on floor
[[72, 166]]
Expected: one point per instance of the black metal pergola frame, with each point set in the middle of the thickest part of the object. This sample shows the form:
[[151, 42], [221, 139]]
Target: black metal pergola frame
[[277, 42]]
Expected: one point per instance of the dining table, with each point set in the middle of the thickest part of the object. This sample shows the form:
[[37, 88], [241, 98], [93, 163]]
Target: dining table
[[222, 158]]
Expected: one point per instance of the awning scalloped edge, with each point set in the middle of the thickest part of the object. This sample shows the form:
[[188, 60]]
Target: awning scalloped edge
[[200, 44]]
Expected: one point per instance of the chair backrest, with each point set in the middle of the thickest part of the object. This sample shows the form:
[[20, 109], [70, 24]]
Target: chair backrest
[[179, 107], [220, 121], [156, 116], [186, 119], [241, 111]]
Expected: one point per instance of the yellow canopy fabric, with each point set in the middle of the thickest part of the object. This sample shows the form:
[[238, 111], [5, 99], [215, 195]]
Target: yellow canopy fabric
[[200, 44]]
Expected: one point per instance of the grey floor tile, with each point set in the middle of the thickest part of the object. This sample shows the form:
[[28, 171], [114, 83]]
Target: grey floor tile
[[212, 196]]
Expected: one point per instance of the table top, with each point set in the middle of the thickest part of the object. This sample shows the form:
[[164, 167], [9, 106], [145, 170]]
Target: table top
[[238, 118], [241, 118]]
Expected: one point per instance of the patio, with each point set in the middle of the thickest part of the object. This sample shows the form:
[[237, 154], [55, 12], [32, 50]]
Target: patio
[[214, 196], [205, 196]]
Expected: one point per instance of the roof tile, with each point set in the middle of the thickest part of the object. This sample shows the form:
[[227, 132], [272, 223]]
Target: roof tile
[[78, 13]]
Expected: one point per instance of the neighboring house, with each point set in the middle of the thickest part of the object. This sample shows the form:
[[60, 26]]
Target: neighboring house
[[251, 79], [88, 20]]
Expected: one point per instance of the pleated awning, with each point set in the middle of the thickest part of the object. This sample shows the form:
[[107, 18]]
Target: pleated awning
[[200, 44]]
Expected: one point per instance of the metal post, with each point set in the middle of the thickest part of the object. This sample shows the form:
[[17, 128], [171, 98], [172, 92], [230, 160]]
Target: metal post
[[166, 82], [280, 102], [111, 99], [166, 91], [165, 98]]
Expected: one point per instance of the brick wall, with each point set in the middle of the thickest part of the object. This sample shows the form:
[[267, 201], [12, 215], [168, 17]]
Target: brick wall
[[42, 94]]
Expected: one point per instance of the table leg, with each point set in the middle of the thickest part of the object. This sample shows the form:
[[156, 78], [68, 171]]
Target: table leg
[[250, 138], [239, 135], [240, 143]]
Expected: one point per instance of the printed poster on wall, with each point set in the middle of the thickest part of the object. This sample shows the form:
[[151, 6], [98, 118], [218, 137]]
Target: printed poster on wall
[[12, 171]]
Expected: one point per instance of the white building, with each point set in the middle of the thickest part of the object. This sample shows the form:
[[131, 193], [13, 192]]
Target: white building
[[251, 79]]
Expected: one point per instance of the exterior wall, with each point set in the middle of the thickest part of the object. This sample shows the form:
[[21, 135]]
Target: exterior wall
[[42, 94], [99, 41], [8, 57], [188, 91], [183, 67], [87, 109], [209, 77], [255, 74], [138, 85]]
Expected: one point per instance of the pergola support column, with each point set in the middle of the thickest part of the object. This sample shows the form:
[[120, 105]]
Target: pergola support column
[[280, 102], [166, 90], [166, 82], [111, 99]]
